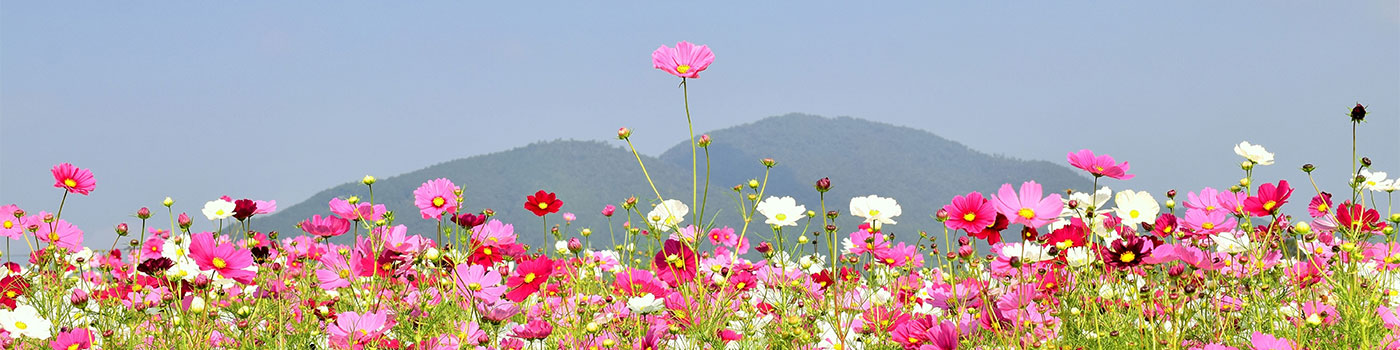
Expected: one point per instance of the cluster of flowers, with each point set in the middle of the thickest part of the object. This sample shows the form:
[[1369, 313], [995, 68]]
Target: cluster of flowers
[[1230, 270]]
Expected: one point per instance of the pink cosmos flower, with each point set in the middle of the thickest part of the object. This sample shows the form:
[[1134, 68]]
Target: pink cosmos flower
[[529, 275], [864, 241], [9, 224], [970, 213], [352, 330], [1320, 206], [435, 197], [74, 179], [1262, 341], [675, 262], [1208, 201], [1233, 202], [900, 255], [685, 61], [1027, 207], [1102, 165], [1269, 199], [480, 283], [77, 339], [361, 211], [335, 271], [534, 329], [1200, 223], [61, 233], [1326, 314], [265, 207], [330, 226], [396, 238], [226, 259]]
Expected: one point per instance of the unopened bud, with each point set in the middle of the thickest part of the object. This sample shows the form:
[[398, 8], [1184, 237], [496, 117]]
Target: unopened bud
[[353, 200], [368, 180], [832, 214], [623, 133], [585, 232], [824, 184], [1395, 218], [768, 162], [1171, 193], [121, 229], [941, 215], [1358, 113], [168, 202], [1308, 168], [1302, 228], [1246, 165], [753, 183], [1171, 203], [143, 213], [1366, 161], [704, 140], [575, 245], [1244, 182]]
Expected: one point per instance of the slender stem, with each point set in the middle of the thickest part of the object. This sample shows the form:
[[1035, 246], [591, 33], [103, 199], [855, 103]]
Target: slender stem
[[685, 92]]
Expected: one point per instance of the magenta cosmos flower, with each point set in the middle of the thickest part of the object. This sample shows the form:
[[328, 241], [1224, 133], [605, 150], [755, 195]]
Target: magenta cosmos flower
[[675, 262], [1101, 165], [226, 259], [76, 339], [435, 197], [970, 213], [529, 276], [478, 282], [329, 226], [357, 212], [74, 179], [1027, 207], [685, 61], [352, 330], [61, 233], [1269, 199]]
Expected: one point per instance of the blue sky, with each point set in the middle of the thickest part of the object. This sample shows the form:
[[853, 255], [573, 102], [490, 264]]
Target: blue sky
[[278, 100]]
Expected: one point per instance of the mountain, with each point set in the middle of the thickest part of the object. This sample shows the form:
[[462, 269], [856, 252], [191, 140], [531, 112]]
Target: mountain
[[919, 169]]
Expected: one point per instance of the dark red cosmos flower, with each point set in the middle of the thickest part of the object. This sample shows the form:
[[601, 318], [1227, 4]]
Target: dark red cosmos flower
[[1127, 252], [244, 208], [992, 234], [1073, 235], [543, 203], [469, 220]]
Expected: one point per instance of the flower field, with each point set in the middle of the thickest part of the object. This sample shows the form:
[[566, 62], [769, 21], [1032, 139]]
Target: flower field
[[1262, 264]]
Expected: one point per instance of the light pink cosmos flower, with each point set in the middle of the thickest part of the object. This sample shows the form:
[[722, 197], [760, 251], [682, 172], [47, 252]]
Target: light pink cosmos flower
[[77, 339], [685, 61], [74, 179], [435, 197], [265, 207], [9, 224], [1208, 201], [1200, 223], [396, 238], [864, 241], [1101, 165], [226, 259], [60, 233], [1262, 341], [335, 271], [361, 211], [1027, 207], [478, 282], [351, 330], [330, 226]]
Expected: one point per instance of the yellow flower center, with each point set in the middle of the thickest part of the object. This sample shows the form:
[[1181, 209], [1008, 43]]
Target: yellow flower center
[[1270, 205], [739, 286], [73, 347], [1026, 213], [53, 236], [780, 217], [969, 217], [1210, 208], [874, 212], [544, 206], [11, 294], [70, 183], [1065, 244], [344, 273], [1099, 168], [219, 212], [1208, 225], [1167, 229], [136, 288], [530, 277], [889, 261], [9, 224], [486, 250], [1127, 257], [1133, 213], [682, 68], [474, 286], [1322, 207], [21, 325], [439, 201], [219, 263]]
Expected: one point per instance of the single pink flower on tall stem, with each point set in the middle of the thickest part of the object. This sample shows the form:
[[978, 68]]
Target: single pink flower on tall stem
[[1101, 165], [1027, 207], [74, 179], [685, 60]]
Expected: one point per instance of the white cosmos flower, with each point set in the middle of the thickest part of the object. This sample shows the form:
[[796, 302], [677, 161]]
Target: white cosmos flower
[[813, 263], [1097, 201], [1254, 153], [645, 304], [218, 209], [1374, 180], [1026, 252], [1230, 242], [668, 214], [25, 321], [1078, 256], [1135, 207], [561, 247], [875, 209], [781, 211]]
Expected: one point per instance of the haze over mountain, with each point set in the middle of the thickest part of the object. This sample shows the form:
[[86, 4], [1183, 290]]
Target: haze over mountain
[[919, 169]]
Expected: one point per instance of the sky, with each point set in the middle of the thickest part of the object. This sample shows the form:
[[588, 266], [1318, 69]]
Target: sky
[[279, 100]]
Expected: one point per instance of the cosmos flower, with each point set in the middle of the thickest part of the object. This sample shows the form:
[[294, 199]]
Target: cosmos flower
[[226, 259], [10, 225], [876, 209], [479, 283], [1254, 153], [970, 213], [218, 209], [781, 211], [543, 203], [675, 263], [1269, 199], [1135, 207], [1027, 207], [62, 234], [1102, 165], [76, 339], [74, 179], [529, 275], [244, 208], [352, 330], [357, 212], [435, 197], [667, 215], [24, 321], [685, 60], [330, 226]]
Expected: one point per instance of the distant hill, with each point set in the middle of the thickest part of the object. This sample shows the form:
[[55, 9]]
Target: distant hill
[[919, 169]]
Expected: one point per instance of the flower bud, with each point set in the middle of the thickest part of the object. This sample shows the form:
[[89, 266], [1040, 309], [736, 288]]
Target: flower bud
[[830, 228], [488, 212], [121, 229], [1395, 218], [832, 214], [1358, 113], [608, 210], [1388, 230], [1235, 188], [78, 298], [1246, 165], [704, 140], [1302, 228], [1171, 193], [802, 239], [575, 245], [168, 202], [965, 251], [623, 133], [1366, 161], [764, 248], [143, 213], [1244, 182], [768, 162], [753, 183], [824, 185], [368, 180], [184, 221], [1171, 203], [1308, 168], [1073, 203], [941, 215], [48, 218], [353, 200]]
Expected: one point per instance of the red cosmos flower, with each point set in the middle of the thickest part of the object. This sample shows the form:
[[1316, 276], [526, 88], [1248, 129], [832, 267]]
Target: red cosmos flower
[[543, 203], [1270, 198], [1357, 219], [74, 179], [528, 277], [244, 208], [11, 288], [675, 263], [1073, 235], [992, 233], [1101, 165]]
